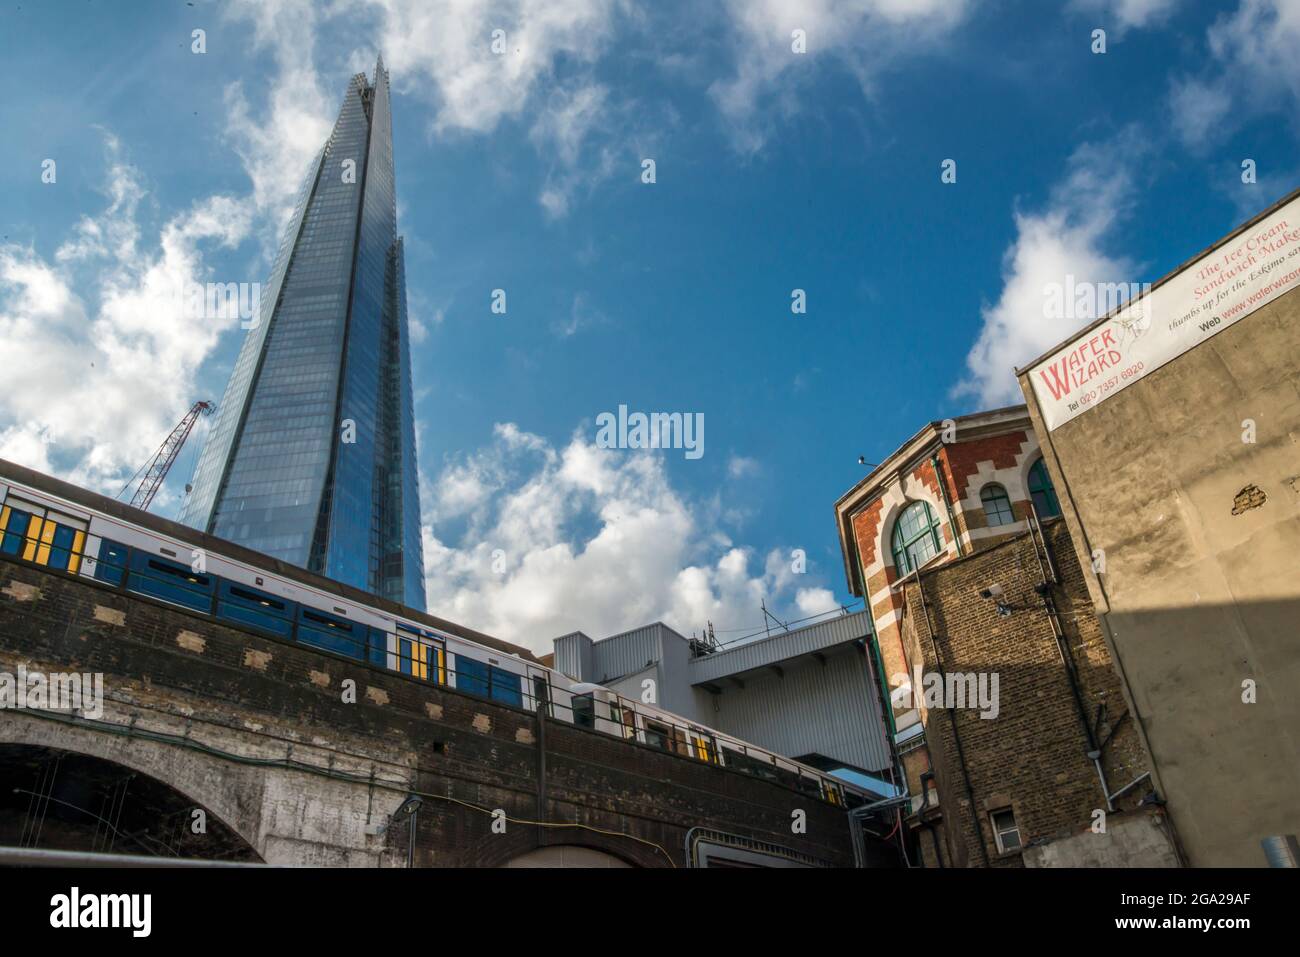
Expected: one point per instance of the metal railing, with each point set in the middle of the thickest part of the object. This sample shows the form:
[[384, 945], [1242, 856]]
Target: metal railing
[[330, 633]]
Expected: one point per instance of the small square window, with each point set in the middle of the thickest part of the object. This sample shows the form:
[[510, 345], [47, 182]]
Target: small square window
[[1006, 830]]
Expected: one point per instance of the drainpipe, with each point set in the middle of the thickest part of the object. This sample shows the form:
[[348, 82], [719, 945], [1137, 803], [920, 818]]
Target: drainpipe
[[1049, 578], [956, 736], [939, 475], [876, 661]]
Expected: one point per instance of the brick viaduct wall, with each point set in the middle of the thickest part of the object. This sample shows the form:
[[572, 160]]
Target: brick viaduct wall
[[256, 731]]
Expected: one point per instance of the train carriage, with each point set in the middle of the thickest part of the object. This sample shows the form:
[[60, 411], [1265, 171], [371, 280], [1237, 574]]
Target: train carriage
[[100, 544]]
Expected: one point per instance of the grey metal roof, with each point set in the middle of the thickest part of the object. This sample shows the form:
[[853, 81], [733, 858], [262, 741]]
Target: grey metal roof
[[782, 646]]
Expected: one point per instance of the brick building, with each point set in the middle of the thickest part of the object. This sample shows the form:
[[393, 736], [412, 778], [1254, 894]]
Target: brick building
[[956, 544]]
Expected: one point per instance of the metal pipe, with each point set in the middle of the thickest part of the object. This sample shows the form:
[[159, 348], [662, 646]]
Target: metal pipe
[[952, 719], [947, 503], [1132, 784], [410, 843], [1062, 647], [1282, 850], [44, 857]]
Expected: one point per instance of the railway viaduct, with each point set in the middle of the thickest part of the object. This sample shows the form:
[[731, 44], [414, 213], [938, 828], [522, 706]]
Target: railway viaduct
[[222, 744]]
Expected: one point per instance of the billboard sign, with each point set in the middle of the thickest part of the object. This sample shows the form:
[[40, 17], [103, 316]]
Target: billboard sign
[[1206, 297]]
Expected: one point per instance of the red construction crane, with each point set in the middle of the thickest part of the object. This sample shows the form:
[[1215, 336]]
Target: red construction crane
[[166, 455]]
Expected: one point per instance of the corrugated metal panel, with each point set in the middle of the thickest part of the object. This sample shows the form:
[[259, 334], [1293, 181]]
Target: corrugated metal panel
[[573, 656], [780, 647], [619, 655], [829, 709]]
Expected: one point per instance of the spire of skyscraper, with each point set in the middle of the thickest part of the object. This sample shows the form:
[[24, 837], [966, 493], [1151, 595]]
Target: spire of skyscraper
[[311, 458]]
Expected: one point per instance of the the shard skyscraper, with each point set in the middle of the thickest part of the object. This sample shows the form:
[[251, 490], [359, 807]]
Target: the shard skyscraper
[[311, 457]]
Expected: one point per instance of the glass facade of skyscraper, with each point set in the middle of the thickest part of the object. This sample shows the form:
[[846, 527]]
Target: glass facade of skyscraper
[[311, 458]]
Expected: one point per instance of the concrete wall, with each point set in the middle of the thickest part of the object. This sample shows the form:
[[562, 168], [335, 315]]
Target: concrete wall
[[1130, 840], [1200, 592]]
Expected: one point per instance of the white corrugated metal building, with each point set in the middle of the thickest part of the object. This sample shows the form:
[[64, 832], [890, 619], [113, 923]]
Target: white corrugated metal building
[[808, 692]]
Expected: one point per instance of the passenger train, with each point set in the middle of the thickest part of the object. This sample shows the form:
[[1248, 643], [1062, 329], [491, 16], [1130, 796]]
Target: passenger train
[[80, 533]]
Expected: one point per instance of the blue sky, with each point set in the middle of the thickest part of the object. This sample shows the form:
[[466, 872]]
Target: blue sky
[[775, 171]]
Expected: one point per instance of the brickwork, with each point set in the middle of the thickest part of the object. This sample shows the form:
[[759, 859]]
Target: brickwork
[[949, 495], [1032, 758], [167, 671]]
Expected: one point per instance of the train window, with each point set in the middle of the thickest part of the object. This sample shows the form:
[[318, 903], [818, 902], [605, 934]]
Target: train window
[[506, 687], [110, 565], [658, 735], [751, 765], [625, 718], [40, 538], [704, 747], [328, 621], [171, 570], [541, 694], [248, 606], [14, 521], [261, 598], [680, 743], [471, 676], [170, 582], [421, 659], [379, 647], [332, 634], [584, 711], [66, 553], [412, 658]]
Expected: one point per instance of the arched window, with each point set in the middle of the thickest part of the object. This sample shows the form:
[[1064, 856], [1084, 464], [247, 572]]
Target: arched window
[[997, 507], [916, 537], [1042, 492]]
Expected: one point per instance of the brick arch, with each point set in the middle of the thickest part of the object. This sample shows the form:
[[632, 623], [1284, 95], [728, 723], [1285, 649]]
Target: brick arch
[[1031, 458], [977, 492], [156, 761], [885, 535], [499, 850], [568, 855]]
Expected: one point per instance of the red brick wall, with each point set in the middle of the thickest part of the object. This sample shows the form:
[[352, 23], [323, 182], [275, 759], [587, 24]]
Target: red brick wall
[[963, 458]]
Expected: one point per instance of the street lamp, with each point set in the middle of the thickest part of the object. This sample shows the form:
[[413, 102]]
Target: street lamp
[[409, 808]]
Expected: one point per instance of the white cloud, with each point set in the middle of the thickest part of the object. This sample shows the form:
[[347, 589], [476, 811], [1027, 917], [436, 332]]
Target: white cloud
[[582, 315], [557, 540], [1253, 69], [446, 46], [865, 36], [740, 466], [1128, 13], [102, 357], [99, 355], [1063, 240], [1198, 109], [814, 601], [443, 50], [278, 145]]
